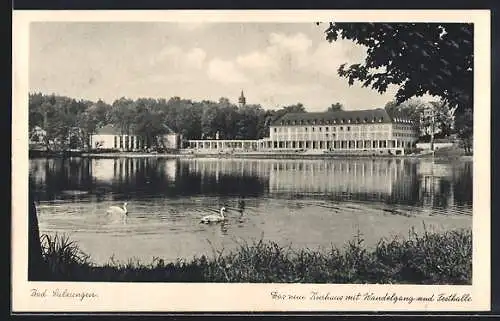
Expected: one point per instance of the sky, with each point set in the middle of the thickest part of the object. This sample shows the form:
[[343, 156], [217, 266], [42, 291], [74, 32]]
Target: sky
[[275, 64]]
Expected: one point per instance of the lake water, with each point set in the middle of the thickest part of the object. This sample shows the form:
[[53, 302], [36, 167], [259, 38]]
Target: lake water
[[305, 203]]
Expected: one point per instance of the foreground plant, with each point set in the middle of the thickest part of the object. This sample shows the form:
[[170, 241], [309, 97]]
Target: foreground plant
[[427, 258]]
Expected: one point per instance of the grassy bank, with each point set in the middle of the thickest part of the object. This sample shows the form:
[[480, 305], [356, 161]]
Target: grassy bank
[[427, 258], [452, 153]]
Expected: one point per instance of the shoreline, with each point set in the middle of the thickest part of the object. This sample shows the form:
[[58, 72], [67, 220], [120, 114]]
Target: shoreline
[[256, 156]]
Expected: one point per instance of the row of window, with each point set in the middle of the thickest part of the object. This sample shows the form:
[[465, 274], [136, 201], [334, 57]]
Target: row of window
[[398, 127], [404, 135], [327, 129], [341, 144], [356, 120], [333, 135]]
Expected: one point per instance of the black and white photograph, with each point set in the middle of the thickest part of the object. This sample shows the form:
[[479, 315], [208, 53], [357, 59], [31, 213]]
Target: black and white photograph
[[315, 153]]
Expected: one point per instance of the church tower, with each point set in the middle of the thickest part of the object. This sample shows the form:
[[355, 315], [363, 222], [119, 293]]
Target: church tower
[[242, 100]]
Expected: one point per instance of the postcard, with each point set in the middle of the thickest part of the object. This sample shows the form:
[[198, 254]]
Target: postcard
[[264, 161]]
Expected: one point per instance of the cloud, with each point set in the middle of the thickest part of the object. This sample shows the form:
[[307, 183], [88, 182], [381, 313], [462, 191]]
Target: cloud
[[295, 43], [196, 57], [327, 57], [283, 55], [178, 58], [289, 66], [256, 60], [225, 72], [287, 55]]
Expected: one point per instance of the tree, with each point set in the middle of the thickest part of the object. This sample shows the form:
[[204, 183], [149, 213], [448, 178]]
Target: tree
[[464, 123], [335, 107], [297, 108], [148, 122], [443, 117], [410, 109], [123, 113], [37, 267], [420, 58], [209, 120]]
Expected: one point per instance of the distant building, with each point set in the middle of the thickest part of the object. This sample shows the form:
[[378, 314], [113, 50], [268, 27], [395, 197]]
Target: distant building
[[37, 139], [111, 137], [242, 101]]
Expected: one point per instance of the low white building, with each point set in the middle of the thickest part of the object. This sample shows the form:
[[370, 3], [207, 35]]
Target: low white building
[[111, 137]]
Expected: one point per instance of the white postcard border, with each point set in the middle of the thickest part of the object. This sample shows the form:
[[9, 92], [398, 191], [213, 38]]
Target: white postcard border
[[179, 297]]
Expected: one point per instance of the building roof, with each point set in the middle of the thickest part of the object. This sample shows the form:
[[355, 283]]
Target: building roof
[[378, 115], [109, 129], [168, 129]]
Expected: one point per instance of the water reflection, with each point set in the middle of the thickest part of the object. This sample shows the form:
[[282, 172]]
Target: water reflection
[[424, 183], [307, 203]]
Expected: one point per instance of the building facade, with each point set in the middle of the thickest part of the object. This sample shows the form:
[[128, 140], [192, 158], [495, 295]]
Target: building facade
[[339, 131], [361, 130], [111, 137]]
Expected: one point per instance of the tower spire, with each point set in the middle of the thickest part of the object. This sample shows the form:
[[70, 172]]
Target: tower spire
[[242, 100]]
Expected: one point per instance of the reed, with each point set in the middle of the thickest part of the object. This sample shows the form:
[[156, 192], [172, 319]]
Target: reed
[[421, 258]]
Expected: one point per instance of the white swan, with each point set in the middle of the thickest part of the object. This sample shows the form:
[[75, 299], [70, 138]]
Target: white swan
[[214, 217], [117, 210]]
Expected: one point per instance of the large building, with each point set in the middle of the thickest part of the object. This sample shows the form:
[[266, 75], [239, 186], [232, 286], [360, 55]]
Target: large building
[[362, 130]]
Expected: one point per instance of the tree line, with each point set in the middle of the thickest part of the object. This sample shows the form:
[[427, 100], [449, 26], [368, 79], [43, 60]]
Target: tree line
[[69, 122]]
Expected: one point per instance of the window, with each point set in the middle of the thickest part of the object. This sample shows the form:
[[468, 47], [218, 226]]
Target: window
[[313, 129], [305, 129], [320, 129], [275, 129], [121, 141], [115, 142], [326, 129], [348, 128], [341, 128]]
